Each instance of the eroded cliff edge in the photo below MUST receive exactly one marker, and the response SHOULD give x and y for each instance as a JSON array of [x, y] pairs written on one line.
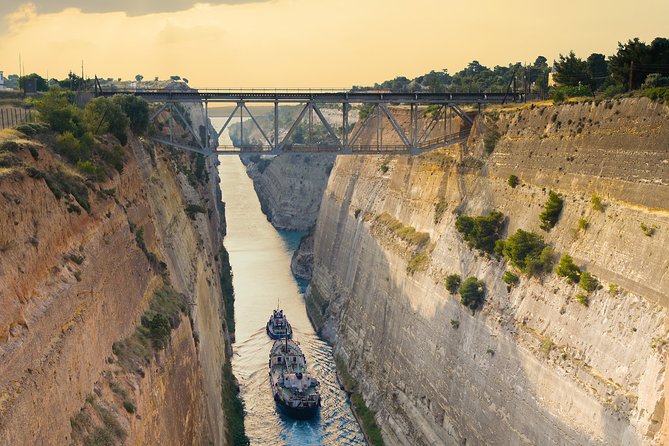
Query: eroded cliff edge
[[79, 281], [534, 366]]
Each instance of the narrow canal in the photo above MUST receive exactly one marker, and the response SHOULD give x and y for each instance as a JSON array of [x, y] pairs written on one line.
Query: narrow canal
[[260, 257]]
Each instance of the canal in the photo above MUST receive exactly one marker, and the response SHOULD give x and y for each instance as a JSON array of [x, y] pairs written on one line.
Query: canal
[[260, 258]]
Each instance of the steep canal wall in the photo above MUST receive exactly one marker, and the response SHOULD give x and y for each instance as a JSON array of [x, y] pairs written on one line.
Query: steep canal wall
[[533, 365], [112, 323]]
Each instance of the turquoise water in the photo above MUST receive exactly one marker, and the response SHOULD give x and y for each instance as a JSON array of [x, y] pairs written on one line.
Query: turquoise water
[[260, 257]]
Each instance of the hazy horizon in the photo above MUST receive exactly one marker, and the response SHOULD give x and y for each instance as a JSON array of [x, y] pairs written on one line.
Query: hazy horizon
[[307, 43]]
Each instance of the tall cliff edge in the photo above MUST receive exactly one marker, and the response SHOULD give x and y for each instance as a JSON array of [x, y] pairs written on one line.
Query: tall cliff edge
[[533, 365]]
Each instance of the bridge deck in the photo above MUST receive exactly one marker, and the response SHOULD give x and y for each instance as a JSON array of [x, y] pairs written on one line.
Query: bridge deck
[[318, 96]]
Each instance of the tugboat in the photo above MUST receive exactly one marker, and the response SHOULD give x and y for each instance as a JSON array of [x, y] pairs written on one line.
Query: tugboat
[[293, 388], [278, 326]]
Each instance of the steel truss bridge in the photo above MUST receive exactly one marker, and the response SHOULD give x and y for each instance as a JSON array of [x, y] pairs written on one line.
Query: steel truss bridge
[[429, 123]]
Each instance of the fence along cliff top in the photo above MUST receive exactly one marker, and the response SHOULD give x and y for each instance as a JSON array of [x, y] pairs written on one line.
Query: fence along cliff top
[[429, 113]]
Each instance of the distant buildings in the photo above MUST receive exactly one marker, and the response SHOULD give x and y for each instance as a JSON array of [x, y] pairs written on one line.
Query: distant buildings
[[2, 79]]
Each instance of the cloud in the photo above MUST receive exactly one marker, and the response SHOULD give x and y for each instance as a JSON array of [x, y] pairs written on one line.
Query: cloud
[[130, 7]]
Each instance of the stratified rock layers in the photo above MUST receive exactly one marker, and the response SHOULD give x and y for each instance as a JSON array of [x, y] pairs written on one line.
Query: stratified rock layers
[[534, 366]]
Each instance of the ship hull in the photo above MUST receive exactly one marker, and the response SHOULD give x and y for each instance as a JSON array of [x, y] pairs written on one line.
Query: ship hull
[[278, 335], [302, 413]]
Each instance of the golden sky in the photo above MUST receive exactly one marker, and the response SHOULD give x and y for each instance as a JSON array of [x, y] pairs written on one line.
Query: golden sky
[[309, 43]]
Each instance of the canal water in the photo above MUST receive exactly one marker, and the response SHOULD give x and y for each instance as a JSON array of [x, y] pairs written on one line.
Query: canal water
[[260, 258]]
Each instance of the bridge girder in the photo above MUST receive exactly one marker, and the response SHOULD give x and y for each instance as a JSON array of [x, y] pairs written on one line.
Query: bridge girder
[[414, 140]]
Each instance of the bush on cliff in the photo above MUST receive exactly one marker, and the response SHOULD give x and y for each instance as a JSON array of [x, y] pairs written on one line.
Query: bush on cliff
[[552, 211], [103, 115], [481, 232], [472, 292], [567, 269], [453, 283], [528, 252]]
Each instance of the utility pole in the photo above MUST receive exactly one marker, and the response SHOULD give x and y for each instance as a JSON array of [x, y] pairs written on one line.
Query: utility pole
[[629, 86]]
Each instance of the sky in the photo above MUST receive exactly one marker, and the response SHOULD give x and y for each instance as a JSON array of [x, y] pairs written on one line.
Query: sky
[[308, 43]]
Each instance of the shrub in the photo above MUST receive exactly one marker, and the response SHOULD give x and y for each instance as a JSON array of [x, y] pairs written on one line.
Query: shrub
[[453, 283], [91, 170], [455, 324], [384, 167], [56, 109], [583, 224], [137, 111], [588, 282], [472, 292], [439, 209], [528, 252], [115, 157], [129, 406], [61, 183], [597, 203], [367, 420], [552, 210], [418, 262], [513, 181], [68, 146], [481, 232], [647, 231], [546, 345], [510, 278], [582, 299], [614, 289], [103, 115], [568, 269], [490, 138], [193, 209]]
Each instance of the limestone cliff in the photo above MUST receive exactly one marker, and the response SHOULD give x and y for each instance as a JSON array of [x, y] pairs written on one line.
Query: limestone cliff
[[81, 266], [533, 366], [290, 187]]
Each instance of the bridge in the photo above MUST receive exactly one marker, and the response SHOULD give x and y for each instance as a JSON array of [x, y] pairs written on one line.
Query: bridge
[[367, 121]]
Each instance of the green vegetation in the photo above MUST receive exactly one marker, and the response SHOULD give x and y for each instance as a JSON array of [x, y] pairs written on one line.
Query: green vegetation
[[406, 233], [76, 259], [193, 209], [597, 203], [439, 209], [588, 282], [418, 262], [566, 268], [481, 232], [384, 167], [658, 94], [227, 289], [614, 289], [528, 252], [63, 184], [552, 211], [455, 324], [647, 231], [472, 292], [364, 414], [546, 345], [582, 299], [233, 407], [453, 282], [152, 335], [583, 224], [510, 278], [513, 181], [129, 406], [490, 137]]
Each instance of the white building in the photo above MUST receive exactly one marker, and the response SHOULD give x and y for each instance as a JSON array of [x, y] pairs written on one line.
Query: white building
[[2, 79]]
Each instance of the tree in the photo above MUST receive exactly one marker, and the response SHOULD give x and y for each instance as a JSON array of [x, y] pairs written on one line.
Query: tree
[[103, 115], [139, 78], [571, 70], [568, 269], [35, 79], [598, 70], [627, 63], [137, 111], [56, 109], [175, 78], [472, 292]]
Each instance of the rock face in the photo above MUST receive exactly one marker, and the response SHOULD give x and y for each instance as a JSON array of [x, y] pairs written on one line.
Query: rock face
[[533, 366], [302, 262], [290, 187], [72, 283]]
